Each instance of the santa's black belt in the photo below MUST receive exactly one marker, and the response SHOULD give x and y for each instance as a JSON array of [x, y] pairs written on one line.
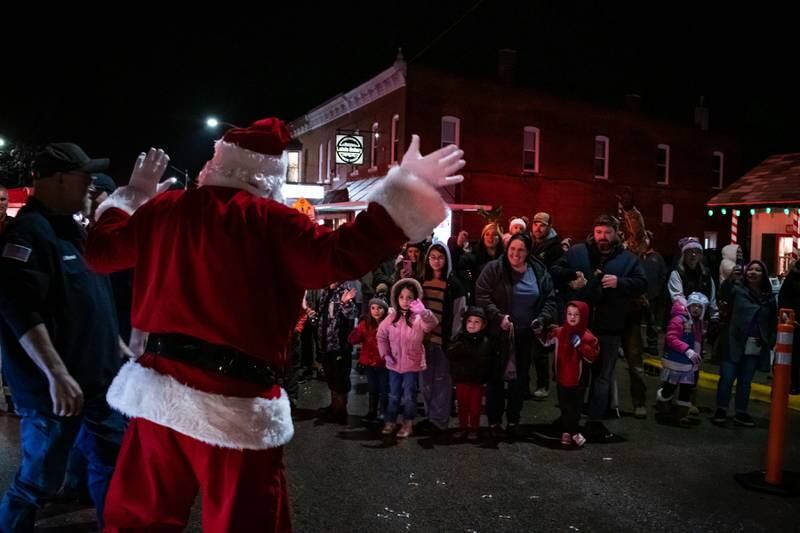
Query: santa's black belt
[[222, 360]]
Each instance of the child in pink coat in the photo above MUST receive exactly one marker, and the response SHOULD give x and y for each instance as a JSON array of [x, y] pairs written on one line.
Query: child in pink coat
[[400, 338]]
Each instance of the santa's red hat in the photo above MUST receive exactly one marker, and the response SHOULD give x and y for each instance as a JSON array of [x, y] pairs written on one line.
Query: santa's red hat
[[251, 158]]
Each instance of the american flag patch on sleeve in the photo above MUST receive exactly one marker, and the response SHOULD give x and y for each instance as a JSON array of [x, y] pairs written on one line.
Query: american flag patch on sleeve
[[17, 251]]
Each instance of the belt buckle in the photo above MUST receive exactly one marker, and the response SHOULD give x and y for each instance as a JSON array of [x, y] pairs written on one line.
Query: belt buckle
[[225, 364]]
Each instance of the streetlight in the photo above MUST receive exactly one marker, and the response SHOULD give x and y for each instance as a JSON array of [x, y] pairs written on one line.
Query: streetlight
[[2, 142], [213, 123]]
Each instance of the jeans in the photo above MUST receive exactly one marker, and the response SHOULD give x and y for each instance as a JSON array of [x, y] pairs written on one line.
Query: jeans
[[541, 361], [742, 371], [436, 386], [632, 347], [378, 383], [495, 401], [570, 401], [603, 376], [46, 442], [523, 347], [402, 387]]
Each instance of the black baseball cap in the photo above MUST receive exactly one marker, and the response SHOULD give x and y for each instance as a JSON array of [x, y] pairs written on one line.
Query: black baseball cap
[[66, 157], [103, 183]]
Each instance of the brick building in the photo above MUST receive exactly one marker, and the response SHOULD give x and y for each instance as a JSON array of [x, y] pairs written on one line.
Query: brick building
[[526, 151]]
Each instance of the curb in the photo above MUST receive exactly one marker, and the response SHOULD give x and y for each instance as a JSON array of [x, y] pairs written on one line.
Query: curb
[[708, 380]]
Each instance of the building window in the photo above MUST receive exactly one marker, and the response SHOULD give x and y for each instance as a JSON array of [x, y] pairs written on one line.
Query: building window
[[321, 158], [601, 143], [710, 240], [395, 139], [293, 170], [373, 153], [717, 169], [662, 164], [451, 130], [328, 166], [530, 149]]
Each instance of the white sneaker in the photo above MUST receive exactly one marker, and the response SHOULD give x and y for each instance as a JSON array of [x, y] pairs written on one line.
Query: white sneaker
[[541, 394]]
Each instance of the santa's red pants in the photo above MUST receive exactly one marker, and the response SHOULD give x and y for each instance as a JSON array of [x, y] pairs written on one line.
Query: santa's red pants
[[159, 472], [468, 396]]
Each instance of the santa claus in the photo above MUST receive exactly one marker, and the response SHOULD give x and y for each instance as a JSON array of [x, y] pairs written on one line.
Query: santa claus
[[220, 273]]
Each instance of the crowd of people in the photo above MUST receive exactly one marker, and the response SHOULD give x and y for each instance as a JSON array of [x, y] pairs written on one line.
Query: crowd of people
[[139, 311], [498, 319]]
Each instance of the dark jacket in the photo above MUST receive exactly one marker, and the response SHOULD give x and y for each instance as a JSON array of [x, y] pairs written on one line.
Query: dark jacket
[[45, 280], [789, 298], [745, 307], [549, 252], [494, 290], [470, 266], [608, 306], [472, 357], [655, 269]]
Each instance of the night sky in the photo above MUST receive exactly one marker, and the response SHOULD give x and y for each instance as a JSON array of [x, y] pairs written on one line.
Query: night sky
[[118, 80]]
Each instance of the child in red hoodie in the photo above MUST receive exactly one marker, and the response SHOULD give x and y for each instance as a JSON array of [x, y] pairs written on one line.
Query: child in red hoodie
[[366, 334], [574, 345]]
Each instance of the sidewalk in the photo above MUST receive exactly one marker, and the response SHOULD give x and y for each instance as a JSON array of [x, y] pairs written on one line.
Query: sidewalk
[[760, 391]]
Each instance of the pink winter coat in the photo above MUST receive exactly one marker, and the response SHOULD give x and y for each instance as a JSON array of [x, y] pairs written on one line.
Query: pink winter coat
[[400, 345]]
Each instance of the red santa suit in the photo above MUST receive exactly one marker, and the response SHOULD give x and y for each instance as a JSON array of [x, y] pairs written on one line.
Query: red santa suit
[[229, 267]]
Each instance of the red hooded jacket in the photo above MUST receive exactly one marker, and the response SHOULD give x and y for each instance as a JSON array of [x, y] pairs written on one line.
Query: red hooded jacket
[[368, 338], [569, 360]]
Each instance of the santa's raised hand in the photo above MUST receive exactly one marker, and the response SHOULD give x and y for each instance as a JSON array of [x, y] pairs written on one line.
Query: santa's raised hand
[[147, 172], [437, 168], [143, 185]]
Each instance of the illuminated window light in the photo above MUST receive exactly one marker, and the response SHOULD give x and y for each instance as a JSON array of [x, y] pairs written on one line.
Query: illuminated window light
[[711, 212], [768, 210], [737, 212], [724, 211], [752, 212], [786, 211]]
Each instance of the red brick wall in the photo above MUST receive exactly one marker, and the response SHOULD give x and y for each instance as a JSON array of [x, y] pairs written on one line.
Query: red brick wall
[[492, 120]]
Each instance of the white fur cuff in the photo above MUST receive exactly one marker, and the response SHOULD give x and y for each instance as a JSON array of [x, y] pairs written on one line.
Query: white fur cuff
[[126, 198], [415, 206], [225, 421]]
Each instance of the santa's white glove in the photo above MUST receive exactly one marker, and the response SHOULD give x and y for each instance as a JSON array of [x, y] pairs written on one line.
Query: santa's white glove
[[147, 172], [437, 168]]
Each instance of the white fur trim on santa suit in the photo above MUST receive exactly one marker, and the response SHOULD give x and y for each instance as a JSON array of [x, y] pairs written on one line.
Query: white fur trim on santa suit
[[225, 421], [415, 206], [126, 198], [240, 168]]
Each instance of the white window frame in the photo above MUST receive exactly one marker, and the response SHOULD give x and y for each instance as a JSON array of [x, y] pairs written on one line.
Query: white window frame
[[537, 135], [710, 239], [395, 140], [721, 178], [298, 177], [373, 148], [447, 119], [328, 161], [607, 143], [320, 177], [664, 147]]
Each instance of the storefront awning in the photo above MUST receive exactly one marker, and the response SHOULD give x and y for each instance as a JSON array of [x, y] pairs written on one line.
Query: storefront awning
[[359, 190], [774, 182], [349, 207]]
